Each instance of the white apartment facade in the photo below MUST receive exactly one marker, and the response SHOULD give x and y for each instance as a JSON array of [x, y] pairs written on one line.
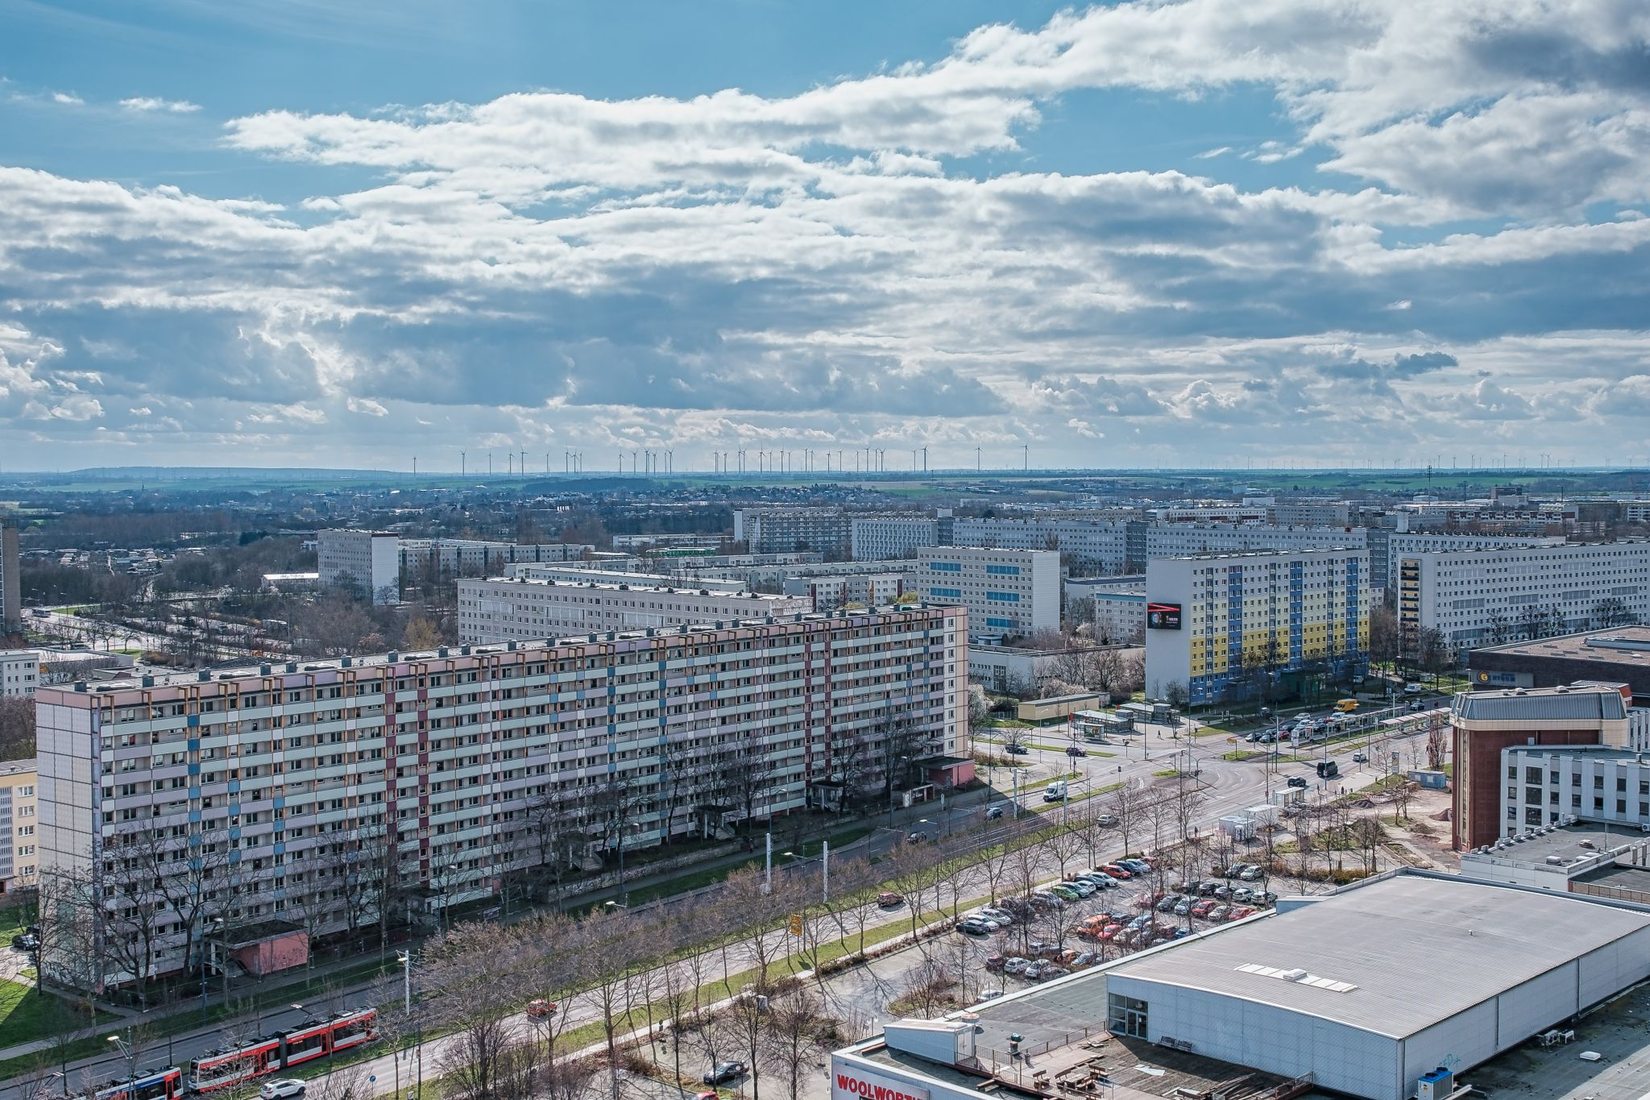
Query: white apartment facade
[[571, 574], [268, 787], [826, 531], [1006, 592], [19, 851], [1090, 545], [479, 557], [1221, 626], [19, 672], [500, 609], [367, 561], [1472, 596], [890, 537], [832, 593], [1176, 540], [1387, 548]]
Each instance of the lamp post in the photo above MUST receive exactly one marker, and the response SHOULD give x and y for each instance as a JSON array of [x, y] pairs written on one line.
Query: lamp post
[[63, 1077], [223, 959], [126, 1050], [405, 959]]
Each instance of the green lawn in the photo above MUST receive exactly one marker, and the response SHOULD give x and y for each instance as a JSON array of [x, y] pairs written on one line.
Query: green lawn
[[26, 1016]]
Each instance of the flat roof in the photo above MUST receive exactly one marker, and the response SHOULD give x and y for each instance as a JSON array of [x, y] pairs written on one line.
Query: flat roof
[[1618, 877], [1384, 941], [1617, 645], [1577, 841]]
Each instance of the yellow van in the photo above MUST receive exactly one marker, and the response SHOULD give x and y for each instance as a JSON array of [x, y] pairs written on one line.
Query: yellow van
[[1347, 706]]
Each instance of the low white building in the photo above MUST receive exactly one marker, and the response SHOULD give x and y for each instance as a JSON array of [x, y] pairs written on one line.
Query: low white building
[[1007, 592], [1394, 986], [504, 608], [19, 672]]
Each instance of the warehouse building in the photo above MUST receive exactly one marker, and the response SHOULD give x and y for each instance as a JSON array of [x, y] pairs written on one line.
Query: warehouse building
[[1395, 986], [1617, 653]]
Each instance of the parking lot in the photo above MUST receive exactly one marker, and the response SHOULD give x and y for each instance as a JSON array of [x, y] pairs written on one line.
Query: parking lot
[[1025, 940]]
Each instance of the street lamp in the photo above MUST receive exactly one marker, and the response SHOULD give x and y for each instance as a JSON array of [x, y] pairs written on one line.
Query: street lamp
[[405, 959], [131, 1059]]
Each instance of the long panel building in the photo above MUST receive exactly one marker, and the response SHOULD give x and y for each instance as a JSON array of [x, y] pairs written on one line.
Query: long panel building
[[1473, 597], [1220, 626], [1006, 592], [277, 789], [499, 609]]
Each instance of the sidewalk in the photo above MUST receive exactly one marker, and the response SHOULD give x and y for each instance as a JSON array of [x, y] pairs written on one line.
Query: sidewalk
[[273, 993]]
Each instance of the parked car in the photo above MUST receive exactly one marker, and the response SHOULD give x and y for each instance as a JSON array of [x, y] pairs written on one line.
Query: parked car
[[1046, 899], [285, 1089], [1066, 890], [1085, 958], [1015, 965], [990, 994], [1117, 872], [1106, 819], [540, 1009], [25, 942], [1083, 887], [992, 813], [1253, 873], [1109, 933], [1138, 866], [1034, 970], [1240, 912], [1242, 894], [1220, 912], [1201, 909], [1052, 970], [1001, 916], [973, 926], [1168, 903], [994, 963], [723, 1072], [1183, 907]]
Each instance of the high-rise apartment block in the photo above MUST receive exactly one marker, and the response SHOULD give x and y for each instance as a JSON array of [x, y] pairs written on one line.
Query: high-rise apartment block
[[1487, 596], [1088, 545], [502, 608], [1007, 592], [11, 593], [890, 537], [367, 561], [1225, 627], [827, 531], [314, 792]]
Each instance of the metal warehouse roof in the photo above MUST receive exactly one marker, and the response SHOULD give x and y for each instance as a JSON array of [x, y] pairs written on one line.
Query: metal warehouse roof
[[1525, 704], [1413, 949]]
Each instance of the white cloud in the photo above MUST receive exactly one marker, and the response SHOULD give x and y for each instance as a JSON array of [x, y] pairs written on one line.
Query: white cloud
[[154, 103], [68, 100]]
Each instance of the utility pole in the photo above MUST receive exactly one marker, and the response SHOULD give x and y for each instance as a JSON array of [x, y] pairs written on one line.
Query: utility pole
[[463, 466]]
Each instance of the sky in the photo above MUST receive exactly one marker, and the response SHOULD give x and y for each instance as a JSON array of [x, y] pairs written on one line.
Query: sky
[[1194, 233]]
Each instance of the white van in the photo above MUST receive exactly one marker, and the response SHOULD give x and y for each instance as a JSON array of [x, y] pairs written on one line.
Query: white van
[[1055, 792]]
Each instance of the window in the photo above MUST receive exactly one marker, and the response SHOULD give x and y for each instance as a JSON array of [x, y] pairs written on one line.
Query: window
[[1126, 1015]]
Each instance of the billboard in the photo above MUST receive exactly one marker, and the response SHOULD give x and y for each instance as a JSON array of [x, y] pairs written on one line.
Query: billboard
[[1162, 616]]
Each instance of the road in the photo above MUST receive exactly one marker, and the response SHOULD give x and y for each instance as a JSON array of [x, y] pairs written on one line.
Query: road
[[1225, 786]]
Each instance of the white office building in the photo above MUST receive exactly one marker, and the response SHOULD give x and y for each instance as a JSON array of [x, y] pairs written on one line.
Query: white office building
[[271, 788], [1479, 597], [1007, 592], [504, 608], [367, 561], [19, 672], [1228, 627], [1552, 784]]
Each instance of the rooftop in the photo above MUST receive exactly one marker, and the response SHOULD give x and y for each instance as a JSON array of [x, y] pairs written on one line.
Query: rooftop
[[1581, 702], [1618, 645], [642, 586], [1353, 956], [1571, 843]]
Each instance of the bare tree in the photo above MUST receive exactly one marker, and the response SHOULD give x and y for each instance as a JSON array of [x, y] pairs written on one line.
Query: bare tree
[[799, 1032]]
